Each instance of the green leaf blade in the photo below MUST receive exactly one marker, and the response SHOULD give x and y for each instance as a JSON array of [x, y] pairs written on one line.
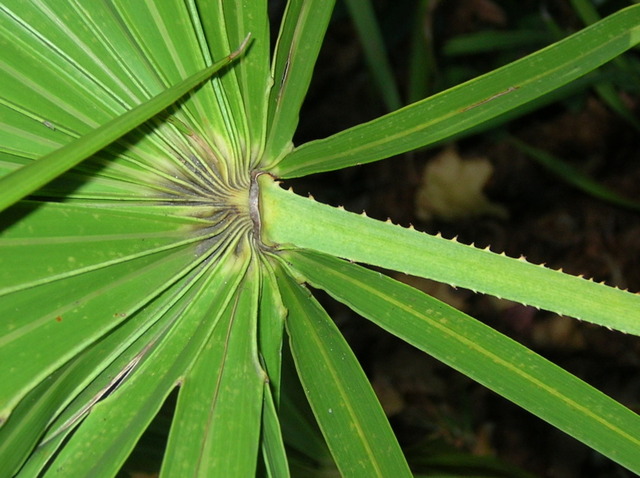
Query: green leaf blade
[[348, 412], [37, 233], [470, 104], [29, 178], [107, 435], [216, 427], [70, 314], [271, 328], [273, 451], [297, 48], [483, 354], [236, 19], [87, 379], [372, 41]]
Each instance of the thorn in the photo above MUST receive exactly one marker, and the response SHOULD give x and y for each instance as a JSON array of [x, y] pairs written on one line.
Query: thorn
[[311, 197], [411, 227], [439, 234], [388, 221], [455, 239], [341, 208]]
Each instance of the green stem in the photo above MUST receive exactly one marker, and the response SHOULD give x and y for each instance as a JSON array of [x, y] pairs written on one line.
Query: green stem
[[291, 221]]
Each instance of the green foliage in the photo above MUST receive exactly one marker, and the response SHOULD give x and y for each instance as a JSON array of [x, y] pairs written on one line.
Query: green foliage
[[144, 247]]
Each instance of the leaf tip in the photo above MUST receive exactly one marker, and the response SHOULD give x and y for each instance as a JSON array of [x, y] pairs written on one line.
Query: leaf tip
[[241, 48]]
